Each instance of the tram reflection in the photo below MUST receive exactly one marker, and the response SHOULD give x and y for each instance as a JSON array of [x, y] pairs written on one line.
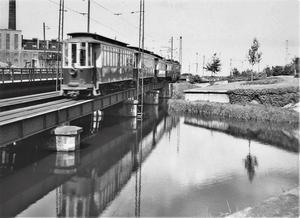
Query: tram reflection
[[87, 180]]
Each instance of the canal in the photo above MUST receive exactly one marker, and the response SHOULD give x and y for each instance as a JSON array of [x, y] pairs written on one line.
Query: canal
[[165, 165]]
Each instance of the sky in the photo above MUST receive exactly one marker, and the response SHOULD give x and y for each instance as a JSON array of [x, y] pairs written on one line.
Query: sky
[[207, 27]]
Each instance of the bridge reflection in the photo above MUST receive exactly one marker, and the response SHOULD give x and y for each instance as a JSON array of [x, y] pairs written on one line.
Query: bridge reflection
[[86, 181]]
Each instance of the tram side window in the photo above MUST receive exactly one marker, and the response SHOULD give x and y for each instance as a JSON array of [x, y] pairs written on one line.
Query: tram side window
[[73, 50], [82, 54], [66, 53], [90, 55]]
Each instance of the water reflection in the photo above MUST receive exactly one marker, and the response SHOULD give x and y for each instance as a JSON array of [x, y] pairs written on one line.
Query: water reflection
[[168, 166], [82, 183], [250, 164], [284, 136]]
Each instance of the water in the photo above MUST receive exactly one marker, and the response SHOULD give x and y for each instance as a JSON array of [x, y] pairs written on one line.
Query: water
[[173, 166]]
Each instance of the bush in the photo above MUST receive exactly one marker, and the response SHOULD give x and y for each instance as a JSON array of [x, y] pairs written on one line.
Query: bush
[[278, 97], [280, 70]]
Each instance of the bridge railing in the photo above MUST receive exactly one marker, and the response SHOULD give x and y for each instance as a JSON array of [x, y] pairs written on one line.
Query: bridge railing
[[12, 75]]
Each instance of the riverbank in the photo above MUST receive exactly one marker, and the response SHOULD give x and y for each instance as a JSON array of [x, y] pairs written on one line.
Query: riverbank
[[286, 205], [243, 106]]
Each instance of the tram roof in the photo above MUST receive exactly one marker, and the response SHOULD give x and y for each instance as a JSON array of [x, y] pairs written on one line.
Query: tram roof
[[93, 38], [143, 50]]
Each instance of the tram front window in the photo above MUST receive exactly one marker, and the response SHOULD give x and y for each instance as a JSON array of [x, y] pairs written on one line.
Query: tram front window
[[73, 50], [82, 54]]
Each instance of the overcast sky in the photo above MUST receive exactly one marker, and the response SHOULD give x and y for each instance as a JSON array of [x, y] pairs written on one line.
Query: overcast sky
[[225, 27]]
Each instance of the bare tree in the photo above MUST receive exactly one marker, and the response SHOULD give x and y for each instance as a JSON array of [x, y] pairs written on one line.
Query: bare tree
[[254, 56]]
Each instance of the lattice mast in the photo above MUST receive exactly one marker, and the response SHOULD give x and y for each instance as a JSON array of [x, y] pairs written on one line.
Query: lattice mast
[[59, 40], [140, 79]]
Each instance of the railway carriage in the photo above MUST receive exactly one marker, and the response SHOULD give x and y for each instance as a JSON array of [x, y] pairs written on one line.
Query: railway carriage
[[149, 64], [160, 68], [94, 65], [172, 70]]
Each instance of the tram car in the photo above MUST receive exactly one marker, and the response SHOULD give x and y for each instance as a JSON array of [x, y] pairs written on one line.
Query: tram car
[[148, 73], [160, 68], [173, 70], [95, 65], [167, 70]]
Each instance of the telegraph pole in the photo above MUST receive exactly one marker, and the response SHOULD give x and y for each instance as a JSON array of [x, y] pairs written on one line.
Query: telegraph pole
[[172, 48], [89, 6], [59, 39], [197, 63], [140, 96], [44, 45], [287, 52], [203, 65], [180, 53]]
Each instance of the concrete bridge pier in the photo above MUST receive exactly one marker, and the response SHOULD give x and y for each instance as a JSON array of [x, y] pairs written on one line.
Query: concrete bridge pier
[[151, 97], [126, 109], [166, 91], [66, 138]]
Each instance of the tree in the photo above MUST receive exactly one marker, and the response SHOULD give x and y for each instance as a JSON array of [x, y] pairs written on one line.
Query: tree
[[296, 64], [254, 56], [235, 72], [214, 66]]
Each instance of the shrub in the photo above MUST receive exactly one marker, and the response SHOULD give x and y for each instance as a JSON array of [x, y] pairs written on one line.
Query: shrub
[[275, 97]]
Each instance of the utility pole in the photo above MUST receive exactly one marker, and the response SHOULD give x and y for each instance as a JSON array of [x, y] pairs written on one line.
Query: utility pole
[[203, 65], [59, 39], [172, 48], [88, 25], [287, 51], [44, 45], [230, 67], [180, 53], [140, 96], [196, 63]]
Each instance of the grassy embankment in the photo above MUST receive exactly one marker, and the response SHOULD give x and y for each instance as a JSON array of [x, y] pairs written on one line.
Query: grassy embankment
[[269, 96]]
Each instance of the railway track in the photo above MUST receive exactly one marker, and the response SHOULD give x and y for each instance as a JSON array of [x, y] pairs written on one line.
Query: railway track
[[25, 112], [29, 100]]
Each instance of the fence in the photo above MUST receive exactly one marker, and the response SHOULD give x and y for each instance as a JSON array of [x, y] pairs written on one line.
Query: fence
[[13, 75]]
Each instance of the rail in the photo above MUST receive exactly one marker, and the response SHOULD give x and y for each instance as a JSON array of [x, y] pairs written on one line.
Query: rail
[[14, 75]]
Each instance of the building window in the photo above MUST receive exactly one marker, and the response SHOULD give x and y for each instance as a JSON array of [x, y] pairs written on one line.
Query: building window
[[7, 41], [16, 42]]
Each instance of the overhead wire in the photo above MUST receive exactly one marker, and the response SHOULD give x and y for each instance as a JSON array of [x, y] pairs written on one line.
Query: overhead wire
[[84, 14], [98, 22], [118, 14]]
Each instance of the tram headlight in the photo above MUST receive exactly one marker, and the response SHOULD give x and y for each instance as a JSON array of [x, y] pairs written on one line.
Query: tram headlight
[[81, 81], [73, 72]]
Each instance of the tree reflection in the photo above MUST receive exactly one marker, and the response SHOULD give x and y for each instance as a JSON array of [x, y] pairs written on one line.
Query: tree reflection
[[250, 163]]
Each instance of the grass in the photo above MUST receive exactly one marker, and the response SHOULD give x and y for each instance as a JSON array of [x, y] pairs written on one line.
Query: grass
[[243, 112], [281, 81]]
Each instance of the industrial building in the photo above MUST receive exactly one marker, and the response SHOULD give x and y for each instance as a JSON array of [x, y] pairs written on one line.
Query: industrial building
[[18, 52]]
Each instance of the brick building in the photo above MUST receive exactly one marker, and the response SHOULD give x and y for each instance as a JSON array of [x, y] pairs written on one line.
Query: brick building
[[19, 52]]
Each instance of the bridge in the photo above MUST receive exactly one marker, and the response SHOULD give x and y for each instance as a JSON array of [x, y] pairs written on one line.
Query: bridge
[[16, 82], [93, 168], [20, 123]]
